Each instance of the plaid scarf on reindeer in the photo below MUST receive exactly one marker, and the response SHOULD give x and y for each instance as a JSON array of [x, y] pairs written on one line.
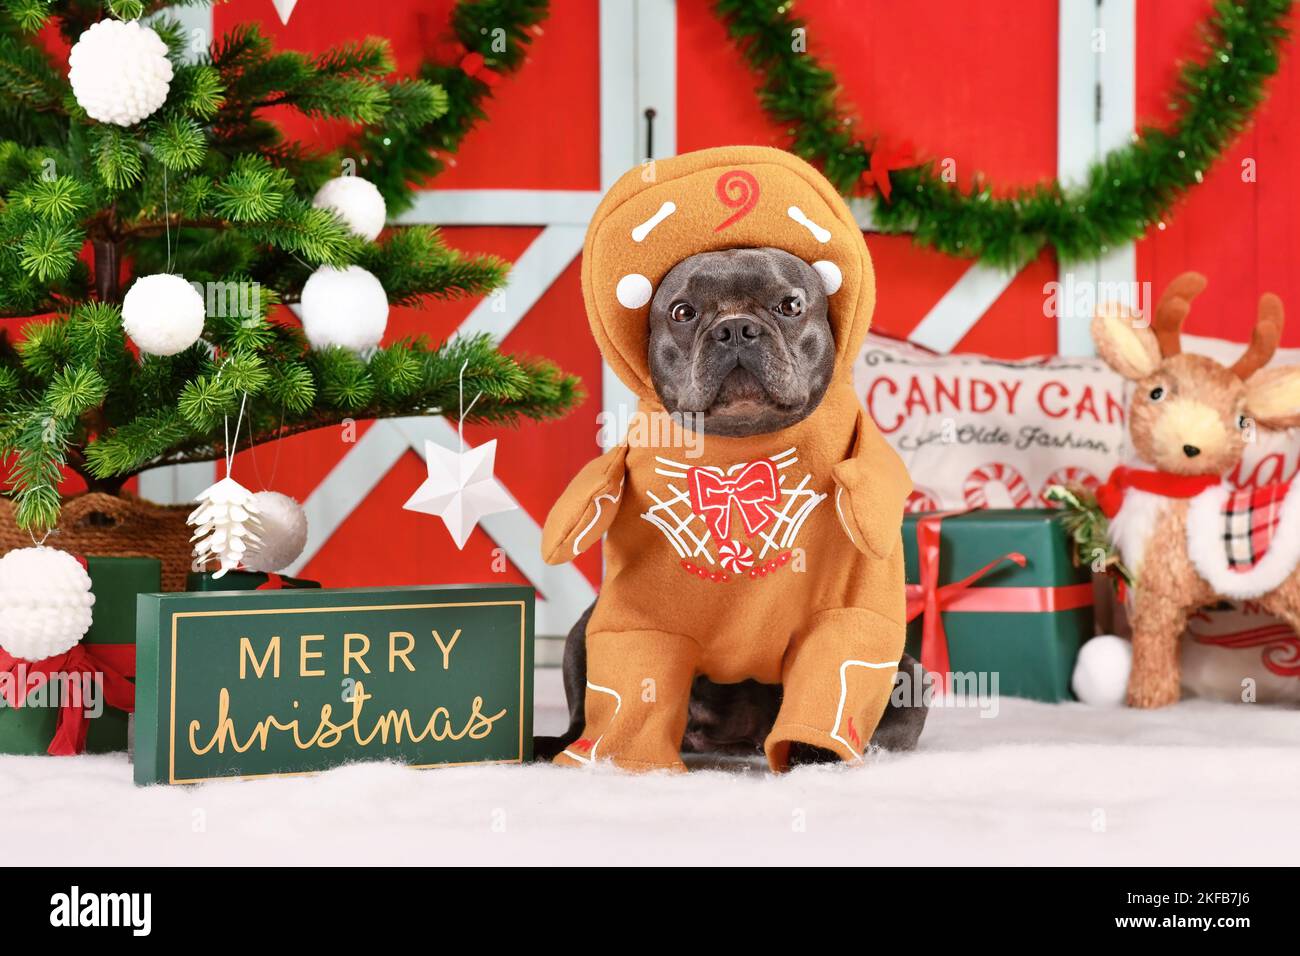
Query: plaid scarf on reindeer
[[1250, 520]]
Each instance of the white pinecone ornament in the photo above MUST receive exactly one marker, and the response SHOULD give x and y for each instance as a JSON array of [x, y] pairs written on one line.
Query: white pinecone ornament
[[119, 72], [226, 525], [357, 202], [283, 532], [45, 602]]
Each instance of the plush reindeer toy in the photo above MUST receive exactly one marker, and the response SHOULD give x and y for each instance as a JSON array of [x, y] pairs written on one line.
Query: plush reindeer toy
[[1189, 539]]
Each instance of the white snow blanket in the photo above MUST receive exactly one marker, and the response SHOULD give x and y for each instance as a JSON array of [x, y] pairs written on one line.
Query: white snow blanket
[[1198, 783]]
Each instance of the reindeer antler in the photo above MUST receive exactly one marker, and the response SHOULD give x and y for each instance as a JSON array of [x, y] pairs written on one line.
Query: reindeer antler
[[1174, 304], [1264, 339]]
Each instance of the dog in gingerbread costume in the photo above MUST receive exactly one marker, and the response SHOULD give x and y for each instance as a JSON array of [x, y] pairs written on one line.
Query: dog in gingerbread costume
[[753, 534]]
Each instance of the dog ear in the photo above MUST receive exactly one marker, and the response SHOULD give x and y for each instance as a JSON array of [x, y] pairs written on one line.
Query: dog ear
[[1273, 396], [1124, 342]]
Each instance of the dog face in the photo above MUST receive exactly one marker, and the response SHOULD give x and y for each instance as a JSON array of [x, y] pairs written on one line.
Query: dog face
[[740, 341]]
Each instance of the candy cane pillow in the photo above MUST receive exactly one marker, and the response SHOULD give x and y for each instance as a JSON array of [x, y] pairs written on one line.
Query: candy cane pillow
[[978, 432]]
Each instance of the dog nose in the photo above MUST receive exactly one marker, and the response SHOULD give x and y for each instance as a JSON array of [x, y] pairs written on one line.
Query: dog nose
[[738, 330], [1191, 451]]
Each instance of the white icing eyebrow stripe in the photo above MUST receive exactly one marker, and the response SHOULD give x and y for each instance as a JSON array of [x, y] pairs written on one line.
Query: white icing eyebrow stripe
[[820, 234], [643, 230]]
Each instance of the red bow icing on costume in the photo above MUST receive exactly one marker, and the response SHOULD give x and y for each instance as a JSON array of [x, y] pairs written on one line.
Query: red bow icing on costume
[[1110, 496], [107, 664], [754, 490]]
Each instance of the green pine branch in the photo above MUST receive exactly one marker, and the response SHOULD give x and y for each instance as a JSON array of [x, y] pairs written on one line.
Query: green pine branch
[[209, 188]]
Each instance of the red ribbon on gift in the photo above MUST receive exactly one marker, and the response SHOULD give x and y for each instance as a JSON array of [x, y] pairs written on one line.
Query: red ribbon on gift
[[754, 490], [931, 598], [109, 665]]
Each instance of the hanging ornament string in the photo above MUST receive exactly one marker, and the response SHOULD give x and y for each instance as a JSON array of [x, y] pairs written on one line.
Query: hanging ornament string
[[230, 448], [167, 221], [275, 461], [460, 421], [1124, 194]]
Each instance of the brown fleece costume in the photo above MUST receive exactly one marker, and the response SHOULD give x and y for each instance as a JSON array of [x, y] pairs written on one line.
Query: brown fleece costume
[[773, 557]]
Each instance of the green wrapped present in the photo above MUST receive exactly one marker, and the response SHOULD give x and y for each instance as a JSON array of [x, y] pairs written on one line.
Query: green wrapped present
[[108, 650], [994, 595], [243, 581]]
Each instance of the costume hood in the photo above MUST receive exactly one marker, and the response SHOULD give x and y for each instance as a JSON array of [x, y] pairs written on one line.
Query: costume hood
[[732, 197]]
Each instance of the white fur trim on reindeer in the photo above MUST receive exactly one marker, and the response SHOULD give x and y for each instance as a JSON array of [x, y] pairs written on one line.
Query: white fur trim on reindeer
[[1133, 526], [1205, 545]]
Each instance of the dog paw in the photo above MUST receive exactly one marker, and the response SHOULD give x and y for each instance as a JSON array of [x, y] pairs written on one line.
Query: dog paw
[[802, 754]]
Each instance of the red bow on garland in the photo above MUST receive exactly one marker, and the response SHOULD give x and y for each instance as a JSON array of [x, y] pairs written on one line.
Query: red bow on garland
[[882, 161], [1110, 496], [754, 490], [471, 62], [108, 665]]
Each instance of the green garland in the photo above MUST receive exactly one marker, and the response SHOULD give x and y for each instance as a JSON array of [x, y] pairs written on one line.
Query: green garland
[[1124, 194], [401, 157], [1087, 526]]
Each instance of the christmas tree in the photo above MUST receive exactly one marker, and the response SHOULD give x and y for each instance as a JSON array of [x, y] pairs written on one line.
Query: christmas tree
[[153, 217]]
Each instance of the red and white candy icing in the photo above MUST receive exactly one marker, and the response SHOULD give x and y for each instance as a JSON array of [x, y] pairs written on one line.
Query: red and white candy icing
[[735, 556]]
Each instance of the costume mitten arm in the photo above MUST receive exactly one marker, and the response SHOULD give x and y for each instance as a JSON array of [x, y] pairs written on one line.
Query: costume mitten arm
[[870, 490], [586, 509]]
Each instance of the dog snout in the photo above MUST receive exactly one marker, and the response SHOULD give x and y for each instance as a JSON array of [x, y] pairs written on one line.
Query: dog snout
[[736, 330], [1191, 451]]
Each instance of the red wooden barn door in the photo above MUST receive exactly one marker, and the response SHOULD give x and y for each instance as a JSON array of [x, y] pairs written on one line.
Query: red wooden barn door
[[1003, 88]]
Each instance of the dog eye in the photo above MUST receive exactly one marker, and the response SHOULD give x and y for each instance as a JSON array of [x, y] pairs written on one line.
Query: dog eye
[[1242, 422], [682, 312], [1157, 393], [791, 306]]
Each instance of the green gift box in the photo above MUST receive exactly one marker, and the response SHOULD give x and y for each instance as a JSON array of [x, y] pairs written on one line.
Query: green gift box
[[240, 581], [996, 592], [115, 582]]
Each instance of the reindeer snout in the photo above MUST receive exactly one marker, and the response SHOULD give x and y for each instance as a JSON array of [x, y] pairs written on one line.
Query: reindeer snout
[[1189, 437]]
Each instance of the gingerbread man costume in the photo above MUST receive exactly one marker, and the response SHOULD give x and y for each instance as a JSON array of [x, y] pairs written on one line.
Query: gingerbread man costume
[[774, 557]]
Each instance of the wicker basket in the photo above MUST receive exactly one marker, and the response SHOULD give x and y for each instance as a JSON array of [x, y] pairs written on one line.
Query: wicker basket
[[116, 527]]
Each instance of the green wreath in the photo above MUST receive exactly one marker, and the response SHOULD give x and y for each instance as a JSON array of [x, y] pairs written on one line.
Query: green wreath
[[497, 34], [1124, 194]]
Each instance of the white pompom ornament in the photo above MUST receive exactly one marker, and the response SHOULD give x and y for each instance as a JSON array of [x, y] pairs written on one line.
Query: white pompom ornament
[[119, 72], [357, 201], [283, 533], [226, 525], [163, 314], [1101, 671], [45, 602], [346, 307]]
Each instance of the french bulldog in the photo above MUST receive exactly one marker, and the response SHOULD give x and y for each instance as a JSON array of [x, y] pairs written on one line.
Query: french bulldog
[[739, 345]]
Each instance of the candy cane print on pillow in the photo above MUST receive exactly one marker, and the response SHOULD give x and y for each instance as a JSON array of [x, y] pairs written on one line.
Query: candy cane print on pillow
[[975, 489]]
